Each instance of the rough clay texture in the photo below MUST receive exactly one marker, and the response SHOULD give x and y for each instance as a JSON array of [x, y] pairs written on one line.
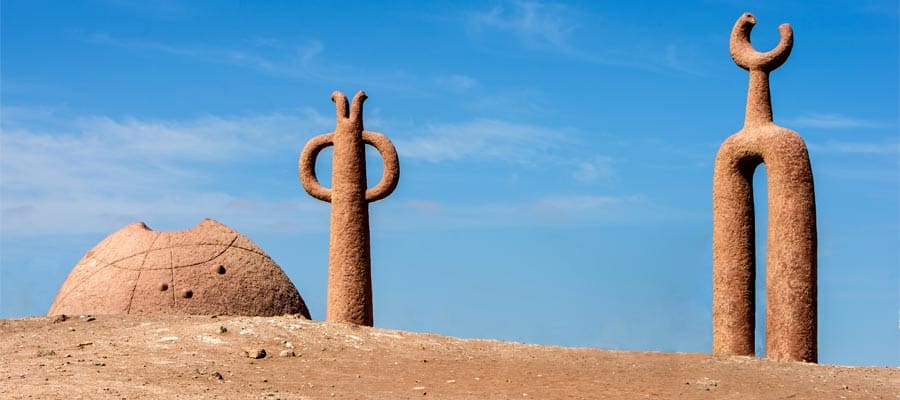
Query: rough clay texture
[[198, 357], [349, 262], [791, 238], [210, 269]]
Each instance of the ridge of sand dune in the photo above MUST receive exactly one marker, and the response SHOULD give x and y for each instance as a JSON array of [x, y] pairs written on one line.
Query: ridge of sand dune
[[151, 357]]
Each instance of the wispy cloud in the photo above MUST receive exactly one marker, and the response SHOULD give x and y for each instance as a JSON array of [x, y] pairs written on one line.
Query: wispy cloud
[[831, 121], [457, 83], [492, 140], [600, 167], [67, 174], [304, 61], [558, 28], [888, 147], [535, 24], [294, 61], [557, 210], [484, 139]]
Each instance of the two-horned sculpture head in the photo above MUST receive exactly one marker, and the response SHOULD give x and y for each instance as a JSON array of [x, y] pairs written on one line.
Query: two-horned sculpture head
[[349, 115], [349, 169]]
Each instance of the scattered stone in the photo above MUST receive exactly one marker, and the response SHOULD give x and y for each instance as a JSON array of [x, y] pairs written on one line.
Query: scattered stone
[[217, 375], [90, 318], [286, 353], [45, 353], [60, 318], [222, 329], [256, 354], [289, 345]]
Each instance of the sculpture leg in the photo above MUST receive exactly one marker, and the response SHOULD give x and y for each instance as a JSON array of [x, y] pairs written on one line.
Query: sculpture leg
[[791, 320], [349, 263], [734, 256]]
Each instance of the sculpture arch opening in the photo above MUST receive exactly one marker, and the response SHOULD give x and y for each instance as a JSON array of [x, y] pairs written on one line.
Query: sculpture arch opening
[[790, 263]]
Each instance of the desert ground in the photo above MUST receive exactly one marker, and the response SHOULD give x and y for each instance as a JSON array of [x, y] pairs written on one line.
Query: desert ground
[[288, 357]]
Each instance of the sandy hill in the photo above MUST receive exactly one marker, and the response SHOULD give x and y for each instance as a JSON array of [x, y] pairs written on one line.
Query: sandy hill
[[170, 357]]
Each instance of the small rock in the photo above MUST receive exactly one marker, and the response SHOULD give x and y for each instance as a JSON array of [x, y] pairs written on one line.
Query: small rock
[[286, 353], [222, 329], [90, 318], [217, 375], [451, 381], [289, 345], [419, 388], [45, 353], [60, 318], [257, 354]]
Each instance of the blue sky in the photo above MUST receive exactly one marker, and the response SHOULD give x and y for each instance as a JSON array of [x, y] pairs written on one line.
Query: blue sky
[[556, 158]]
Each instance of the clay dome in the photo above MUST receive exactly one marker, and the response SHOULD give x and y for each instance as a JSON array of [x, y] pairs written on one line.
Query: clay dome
[[209, 269]]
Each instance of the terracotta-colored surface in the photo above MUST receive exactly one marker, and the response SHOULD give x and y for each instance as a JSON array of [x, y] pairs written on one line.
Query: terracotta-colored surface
[[791, 237], [349, 262], [210, 269], [189, 357]]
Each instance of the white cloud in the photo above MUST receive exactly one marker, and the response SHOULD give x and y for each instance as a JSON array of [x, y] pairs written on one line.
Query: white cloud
[[591, 170], [557, 210], [836, 146], [66, 173], [536, 24], [457, 83], [484, 139], [295, 61], [303, 61], [547, 26], [76, 174], [831, 121]]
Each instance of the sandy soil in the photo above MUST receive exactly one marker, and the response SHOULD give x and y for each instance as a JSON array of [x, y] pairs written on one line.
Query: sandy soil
[[170, 357]]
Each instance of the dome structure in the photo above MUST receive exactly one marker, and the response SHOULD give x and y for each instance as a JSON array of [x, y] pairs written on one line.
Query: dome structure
[[209, 269]]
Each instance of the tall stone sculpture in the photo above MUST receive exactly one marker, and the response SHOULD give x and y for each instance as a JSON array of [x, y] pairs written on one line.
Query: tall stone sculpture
[[791, 238], [349, 262]]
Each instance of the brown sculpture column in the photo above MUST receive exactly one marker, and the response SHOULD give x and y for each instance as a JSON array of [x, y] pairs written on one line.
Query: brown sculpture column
[[349, 263], [791, 239]]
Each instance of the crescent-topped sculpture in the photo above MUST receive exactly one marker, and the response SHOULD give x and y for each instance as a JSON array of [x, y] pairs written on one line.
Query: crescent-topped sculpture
[[349, 260], [791, 325]]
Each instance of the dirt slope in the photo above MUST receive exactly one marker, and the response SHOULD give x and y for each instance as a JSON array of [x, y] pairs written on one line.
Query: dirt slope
[[169, 357]]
